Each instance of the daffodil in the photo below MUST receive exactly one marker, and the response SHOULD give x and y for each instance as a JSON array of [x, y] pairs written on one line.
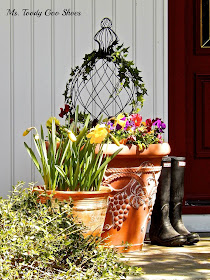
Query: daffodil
[[97, 134], [71, 136], [49, 122], [26, 132]]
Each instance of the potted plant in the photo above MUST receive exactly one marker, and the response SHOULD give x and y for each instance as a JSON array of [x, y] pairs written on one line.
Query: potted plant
[[133, 178], [38, 243], [104, 77], [133, 174], [71, 168]]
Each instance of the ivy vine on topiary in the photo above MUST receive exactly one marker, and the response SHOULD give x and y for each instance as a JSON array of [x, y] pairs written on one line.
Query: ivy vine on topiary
[[126, 72]]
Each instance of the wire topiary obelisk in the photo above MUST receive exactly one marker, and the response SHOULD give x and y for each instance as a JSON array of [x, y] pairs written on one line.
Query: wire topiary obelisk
[[106, 83]]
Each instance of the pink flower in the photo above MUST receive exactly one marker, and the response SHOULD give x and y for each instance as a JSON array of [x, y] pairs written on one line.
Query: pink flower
[[160, 140]]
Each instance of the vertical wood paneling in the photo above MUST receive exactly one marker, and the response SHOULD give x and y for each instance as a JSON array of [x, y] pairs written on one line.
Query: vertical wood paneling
[[158, 89], [42, 68], [12, 165], [63, 53], [145, 50], [165, 66], [83, 29], [22, 92], [102, 10], [37, 55], [42, 63], [134, 30], [124, 23], [154, 57], [73, 35], [100, 14], [53, 18], [32, 82], [5, 94]]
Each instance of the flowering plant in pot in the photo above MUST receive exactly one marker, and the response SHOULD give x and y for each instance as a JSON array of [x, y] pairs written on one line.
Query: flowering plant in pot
[[132, 176], [104, 77], [71, 168], [131, 130]]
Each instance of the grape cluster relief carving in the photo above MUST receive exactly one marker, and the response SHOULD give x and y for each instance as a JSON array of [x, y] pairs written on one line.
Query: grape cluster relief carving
[[139, 192]]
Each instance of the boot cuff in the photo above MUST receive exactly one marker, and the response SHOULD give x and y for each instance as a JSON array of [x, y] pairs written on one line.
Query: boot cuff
[[178, 158], [166, 159]]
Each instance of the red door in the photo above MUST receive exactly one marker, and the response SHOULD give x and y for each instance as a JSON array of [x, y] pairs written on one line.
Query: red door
[[189, 97]]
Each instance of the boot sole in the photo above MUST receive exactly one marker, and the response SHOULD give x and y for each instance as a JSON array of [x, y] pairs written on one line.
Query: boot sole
[[192, 240], [176, 241]]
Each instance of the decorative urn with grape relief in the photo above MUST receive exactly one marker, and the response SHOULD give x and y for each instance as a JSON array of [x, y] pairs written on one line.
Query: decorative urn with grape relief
[[108, 85], [133, 179]]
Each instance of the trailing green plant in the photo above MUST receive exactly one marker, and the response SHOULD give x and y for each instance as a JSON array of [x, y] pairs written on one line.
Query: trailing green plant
[[126, 72], [42, 242], [68, 160]]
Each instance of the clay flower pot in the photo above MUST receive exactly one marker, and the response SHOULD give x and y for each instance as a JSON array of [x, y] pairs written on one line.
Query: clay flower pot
[[133, 178], [89, 207]]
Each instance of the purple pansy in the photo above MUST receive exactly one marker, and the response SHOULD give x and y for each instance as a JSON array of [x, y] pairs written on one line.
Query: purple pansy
[[161, 125], [118, 126], [110, 125], [127, 125]]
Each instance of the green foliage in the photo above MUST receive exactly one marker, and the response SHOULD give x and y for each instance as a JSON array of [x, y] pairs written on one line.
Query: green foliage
[[130, 129], [142, 140], [126, 71], [69, 165], [48, 157], [41, 242]]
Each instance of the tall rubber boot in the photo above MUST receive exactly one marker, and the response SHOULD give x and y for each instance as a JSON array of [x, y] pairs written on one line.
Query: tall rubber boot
[[176, 199], [161, 231]]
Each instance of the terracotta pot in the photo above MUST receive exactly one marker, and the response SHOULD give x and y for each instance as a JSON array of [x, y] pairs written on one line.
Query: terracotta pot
[[133, 178], [89, 207], [131, 156]]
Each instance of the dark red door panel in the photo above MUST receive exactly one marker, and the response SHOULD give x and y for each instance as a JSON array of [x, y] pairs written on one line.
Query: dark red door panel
[[189, 97]]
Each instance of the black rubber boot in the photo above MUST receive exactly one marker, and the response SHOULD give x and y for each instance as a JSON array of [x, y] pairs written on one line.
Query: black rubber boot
[[161, 231], [176, 199]]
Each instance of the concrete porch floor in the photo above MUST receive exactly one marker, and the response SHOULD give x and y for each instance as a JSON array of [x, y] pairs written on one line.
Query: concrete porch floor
[[173, 263]]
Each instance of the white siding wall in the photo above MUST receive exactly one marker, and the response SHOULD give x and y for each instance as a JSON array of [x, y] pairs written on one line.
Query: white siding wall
[[37, 53]]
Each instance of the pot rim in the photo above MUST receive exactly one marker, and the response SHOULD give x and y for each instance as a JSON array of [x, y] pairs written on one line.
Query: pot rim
[[154, 150], [104, 191]]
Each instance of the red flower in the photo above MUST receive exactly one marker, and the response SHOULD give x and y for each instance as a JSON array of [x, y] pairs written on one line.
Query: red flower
[[131, 138], [64, 111], [149, 125], [137, 119], [61, 113], [149, 122]]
